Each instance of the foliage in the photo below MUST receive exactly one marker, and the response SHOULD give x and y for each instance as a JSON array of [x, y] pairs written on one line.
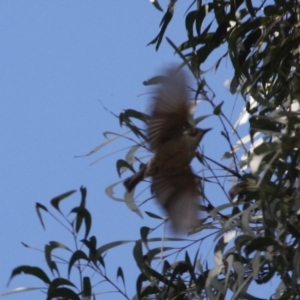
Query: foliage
[[256, 228], [262, 43], [87, 258]]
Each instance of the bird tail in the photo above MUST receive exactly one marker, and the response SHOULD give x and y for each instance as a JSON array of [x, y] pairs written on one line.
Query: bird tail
[[179, 195], [183, 213]]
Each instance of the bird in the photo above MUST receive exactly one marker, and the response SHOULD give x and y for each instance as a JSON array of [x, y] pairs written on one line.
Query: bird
[[174, 141]]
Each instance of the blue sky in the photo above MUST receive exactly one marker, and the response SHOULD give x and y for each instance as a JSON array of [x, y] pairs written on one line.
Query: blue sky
[[59, 60]]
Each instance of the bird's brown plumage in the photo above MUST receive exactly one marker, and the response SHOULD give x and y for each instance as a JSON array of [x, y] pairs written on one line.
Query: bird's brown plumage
[[174, 141]]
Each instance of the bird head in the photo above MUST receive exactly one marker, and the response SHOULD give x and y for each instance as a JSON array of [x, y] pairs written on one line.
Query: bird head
[[196, 134]]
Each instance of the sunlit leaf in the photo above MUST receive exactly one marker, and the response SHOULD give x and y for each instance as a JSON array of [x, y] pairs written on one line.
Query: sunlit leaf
[[129, 200]]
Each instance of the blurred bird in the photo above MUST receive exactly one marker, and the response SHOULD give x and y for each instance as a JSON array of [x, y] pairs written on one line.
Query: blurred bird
[[173, 141]]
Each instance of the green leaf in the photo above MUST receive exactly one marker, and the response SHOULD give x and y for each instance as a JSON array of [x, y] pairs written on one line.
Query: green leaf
[[218, 109], [154, 80], [155, 251], [138, 255], [203, 12], [250, 8], [56, 200], [164, 24], [152, 215], [178, 51], [139, 282], [123, 164], [280, 2], [48, 251], [261, 243], [77, 255], [82, 214], [189, 24], [190, 267], [121, 274], [39, 207], [60, 281], [234, 84], [83, 192], [201, 118], [111, 245], [87, 288], [241, 241], [91, 243], [271, 10], [131, 113], [62, 293], [151, 273], [144, 231], [148, 291], [35, 271]]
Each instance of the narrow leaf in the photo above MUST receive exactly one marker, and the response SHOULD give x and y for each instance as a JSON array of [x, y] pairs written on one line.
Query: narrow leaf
[[56, 200], [121, 274], [39, 207], [35, 271]]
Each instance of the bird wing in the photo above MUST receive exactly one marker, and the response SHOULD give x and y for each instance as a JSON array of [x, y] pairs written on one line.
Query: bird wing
[[179, 194], [170, 108]]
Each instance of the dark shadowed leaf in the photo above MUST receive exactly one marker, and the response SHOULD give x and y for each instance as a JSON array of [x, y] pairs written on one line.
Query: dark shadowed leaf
[[144, 231], [121, 274], [164, 24], [35, 271], [48, 253], [156, 5], [261, 244], [39, 207], [56, 200], [76, 256], [60, 281], [87, 288], [82, 214], [152, 215], [218, 108], [138, 255], [62, 293], [123, 164]]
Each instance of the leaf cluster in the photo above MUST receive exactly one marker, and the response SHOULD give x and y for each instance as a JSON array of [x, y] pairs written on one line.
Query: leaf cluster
[[82, 260], [256, 228], [262, 43]]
